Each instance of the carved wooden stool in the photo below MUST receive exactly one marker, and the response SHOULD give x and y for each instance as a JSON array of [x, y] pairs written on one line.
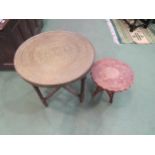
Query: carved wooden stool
[[55, 59], [112, 76]]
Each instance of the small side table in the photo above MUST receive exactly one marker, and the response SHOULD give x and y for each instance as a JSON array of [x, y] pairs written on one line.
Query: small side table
[[112, 76]]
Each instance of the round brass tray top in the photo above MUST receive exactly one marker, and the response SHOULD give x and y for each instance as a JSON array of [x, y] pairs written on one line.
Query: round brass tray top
[[112, 74], [54, 58]]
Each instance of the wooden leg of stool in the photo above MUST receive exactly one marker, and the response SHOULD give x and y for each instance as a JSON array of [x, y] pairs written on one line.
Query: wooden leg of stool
[[98, 89], [40, 95], [82, 91], [111, 95]]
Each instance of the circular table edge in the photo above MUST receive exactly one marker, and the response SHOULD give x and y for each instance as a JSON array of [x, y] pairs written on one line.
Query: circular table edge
[[46, 85]]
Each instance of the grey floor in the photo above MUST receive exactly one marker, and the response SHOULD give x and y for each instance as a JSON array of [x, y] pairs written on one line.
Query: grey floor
[[132, 112]]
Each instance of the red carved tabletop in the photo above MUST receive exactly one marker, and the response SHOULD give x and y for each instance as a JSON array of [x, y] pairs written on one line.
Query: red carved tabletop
[[112, 75]]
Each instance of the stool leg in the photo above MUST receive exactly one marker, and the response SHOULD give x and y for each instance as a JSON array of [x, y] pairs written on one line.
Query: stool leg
[[40, 95], [111, 95], [98, 89], [82, 91]]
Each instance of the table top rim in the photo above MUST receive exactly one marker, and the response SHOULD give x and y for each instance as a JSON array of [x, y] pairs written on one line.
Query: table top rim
[[118, 60], [63, 83]]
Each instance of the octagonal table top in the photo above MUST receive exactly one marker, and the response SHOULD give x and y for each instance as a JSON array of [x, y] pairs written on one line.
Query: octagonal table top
[[112, 75], [54, 58]]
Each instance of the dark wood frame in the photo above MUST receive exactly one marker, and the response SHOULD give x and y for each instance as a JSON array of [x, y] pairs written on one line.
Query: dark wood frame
[[56, 88], [110, 93]]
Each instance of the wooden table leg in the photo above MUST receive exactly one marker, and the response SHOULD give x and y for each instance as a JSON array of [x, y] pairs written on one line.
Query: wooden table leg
[[45, 98], [98, 89], [52, 92], [69, 89], [111, 95], [41, 96], [82, 91]]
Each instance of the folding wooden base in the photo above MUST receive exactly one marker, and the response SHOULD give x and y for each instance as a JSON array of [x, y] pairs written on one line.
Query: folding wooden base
[[110, 93], [56, 88]]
